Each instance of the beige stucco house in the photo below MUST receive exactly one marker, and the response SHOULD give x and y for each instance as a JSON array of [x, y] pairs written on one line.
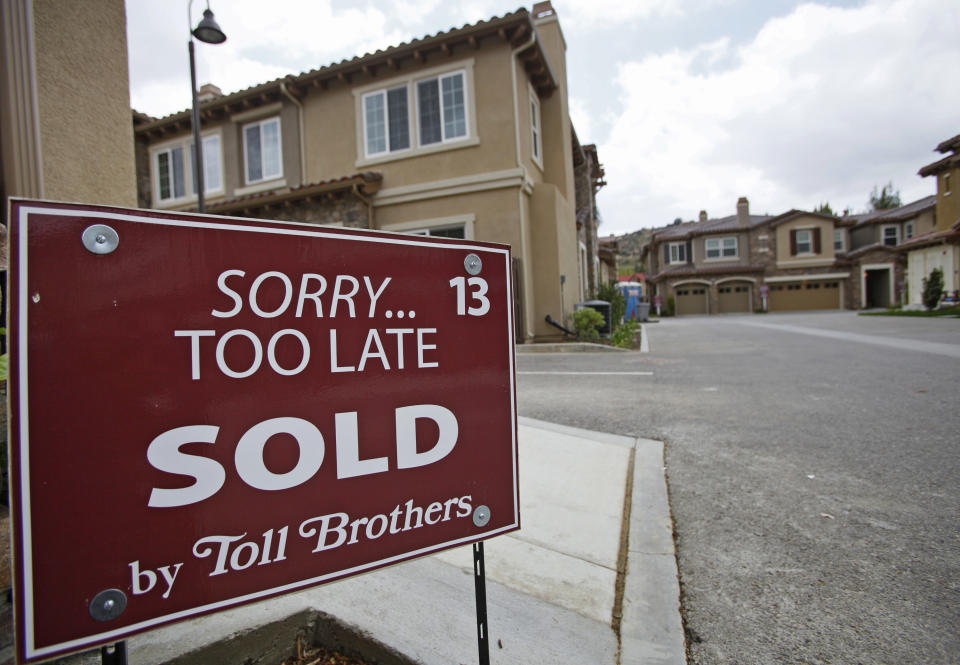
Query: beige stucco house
[[938, 247], [798, 260], [62, 138], [465, 134]]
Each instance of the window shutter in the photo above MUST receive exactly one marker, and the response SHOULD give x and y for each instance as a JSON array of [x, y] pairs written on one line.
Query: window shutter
[[816, 241], [689, 251], [666, 253], [793, 243]]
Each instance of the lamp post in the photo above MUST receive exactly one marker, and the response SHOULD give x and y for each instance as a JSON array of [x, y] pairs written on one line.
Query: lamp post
[[209, 32]]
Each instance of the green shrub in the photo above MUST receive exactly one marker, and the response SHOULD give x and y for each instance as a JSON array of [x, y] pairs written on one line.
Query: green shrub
[[671, 306], [625, 334], [933, 289], [587, 323], [618, 304]]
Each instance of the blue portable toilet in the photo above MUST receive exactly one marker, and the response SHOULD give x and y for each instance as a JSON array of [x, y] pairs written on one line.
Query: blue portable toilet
[[632, 293]]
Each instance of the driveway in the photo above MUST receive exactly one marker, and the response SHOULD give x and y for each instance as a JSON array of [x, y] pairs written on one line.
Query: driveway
[[813, 463]]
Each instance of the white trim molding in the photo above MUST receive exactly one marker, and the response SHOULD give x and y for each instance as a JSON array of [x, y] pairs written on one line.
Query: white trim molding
[[752, 280], [467, 221], [480, 182]]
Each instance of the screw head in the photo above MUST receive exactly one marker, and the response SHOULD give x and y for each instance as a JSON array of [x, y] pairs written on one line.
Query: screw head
[[108, 605], [481, 516], [100, 239], [473, 264]]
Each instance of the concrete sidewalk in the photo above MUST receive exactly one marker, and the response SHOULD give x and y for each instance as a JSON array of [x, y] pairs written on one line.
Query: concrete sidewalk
[[590, 578]]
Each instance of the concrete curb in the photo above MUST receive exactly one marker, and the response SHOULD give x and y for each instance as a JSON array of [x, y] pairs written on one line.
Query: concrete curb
[[571, 347], [651, 631]]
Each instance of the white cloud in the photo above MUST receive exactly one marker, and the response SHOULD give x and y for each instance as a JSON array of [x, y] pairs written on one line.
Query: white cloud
[[821, 105]]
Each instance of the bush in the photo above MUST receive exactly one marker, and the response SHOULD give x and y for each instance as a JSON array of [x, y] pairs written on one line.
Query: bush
[[671, 306], [625, 334], [618, 304], [587, 323], [933, 289]]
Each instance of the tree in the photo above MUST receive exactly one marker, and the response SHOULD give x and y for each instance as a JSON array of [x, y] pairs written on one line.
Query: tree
[[887, 198], [825, 209], [933, 288]]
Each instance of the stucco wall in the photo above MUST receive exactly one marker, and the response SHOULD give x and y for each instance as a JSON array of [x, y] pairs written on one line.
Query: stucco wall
[[84, 101], [826, 255], [948, 205]]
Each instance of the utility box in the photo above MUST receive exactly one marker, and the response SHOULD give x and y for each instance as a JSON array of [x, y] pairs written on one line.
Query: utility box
[[603, 307]]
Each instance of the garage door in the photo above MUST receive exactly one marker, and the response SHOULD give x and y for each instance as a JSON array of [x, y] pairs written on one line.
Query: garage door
[[814, 294], [691, 300], [733, 297]]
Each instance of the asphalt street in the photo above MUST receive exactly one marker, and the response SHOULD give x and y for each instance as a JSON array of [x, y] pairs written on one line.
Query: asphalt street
[[813, 466]]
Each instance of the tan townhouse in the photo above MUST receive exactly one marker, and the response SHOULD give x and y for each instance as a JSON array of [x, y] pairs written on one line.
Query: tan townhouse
[[463, 134], [938, 247], [795, 261]]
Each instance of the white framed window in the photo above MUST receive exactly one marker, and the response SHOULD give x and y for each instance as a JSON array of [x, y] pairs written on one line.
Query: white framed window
[[838, 241], [171, 176], [908, 230], [891, 235], [173, 164], [946, 184], [678, 252], [804, 241], [442, 108], [386, 121], [212, 165], [452, 231], [263, 155], [722, 248], [425, 111], [536, 133]]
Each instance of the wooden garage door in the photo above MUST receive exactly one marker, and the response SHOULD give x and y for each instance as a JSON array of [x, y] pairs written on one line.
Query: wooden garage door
[[733, 297], [813, 294], [691, 300]]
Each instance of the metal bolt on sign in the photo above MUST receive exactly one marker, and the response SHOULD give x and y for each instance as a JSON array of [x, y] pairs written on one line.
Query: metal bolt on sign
[[100, 239], [481, 516], [473, 264], [108, 605]]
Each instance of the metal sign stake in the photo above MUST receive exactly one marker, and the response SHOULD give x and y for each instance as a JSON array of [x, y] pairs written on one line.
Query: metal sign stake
[[480, 586], [115, 654]]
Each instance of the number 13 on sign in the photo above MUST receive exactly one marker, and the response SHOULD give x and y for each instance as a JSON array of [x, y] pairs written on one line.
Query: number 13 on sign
[[477, 294]]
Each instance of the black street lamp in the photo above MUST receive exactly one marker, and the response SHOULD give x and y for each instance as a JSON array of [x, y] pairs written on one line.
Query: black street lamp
[[209, 32]]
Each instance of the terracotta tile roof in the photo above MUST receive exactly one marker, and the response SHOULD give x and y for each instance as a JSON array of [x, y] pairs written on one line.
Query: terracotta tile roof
[[940, 165], [952, 143], [931, 238], [687, 270], [260, 199], [894, 214], [514, 27], [719, 225]]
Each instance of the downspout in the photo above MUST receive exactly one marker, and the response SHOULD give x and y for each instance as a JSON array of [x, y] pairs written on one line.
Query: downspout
[[303, 151], [525, 251]]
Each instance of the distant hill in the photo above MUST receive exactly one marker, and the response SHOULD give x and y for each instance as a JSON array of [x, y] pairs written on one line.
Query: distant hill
[[628, 258]]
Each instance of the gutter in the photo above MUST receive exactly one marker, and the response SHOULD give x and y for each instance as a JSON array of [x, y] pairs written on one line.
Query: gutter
[[525, 252]]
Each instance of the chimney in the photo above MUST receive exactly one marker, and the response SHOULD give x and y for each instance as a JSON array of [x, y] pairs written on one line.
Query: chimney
[[543, 9], [207, 92], [703, 216], [743, 212]]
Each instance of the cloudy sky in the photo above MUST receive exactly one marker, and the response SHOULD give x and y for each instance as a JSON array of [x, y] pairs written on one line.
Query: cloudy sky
[[692, 103]]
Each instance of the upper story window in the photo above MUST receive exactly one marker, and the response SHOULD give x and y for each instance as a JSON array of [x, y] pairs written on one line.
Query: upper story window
[[173, 171], [442, 109], [426, 111], [677, 252], [170, 174], [838, 240], [262, 150], [722, 248], [386, 121], [536, 132], [946, 184], [891, 235], [908, 230], [453, 231], [804, 241]]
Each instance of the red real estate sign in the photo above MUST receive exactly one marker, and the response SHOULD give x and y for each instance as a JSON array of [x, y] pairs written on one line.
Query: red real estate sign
[[210, 411]]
